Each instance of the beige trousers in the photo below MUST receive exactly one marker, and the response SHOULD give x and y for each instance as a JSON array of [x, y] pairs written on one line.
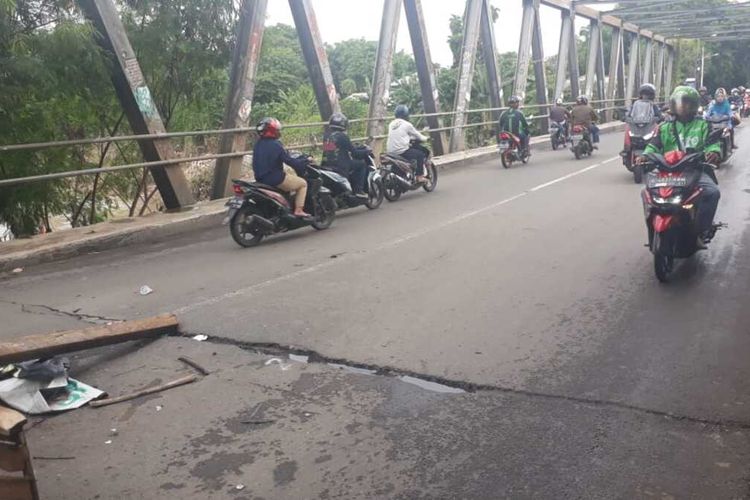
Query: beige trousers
[[292, 182]]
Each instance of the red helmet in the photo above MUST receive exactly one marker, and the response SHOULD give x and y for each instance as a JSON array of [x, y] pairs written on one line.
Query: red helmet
[[269, 128]]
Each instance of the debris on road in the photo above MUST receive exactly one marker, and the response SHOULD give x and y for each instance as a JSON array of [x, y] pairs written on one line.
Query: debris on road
[[50, 344], [257, 422], [145, 290], [200, 337], [17, 270], [299, 358], [108, 441], [277, 361], [53, 458], [194, 365], [239, 487], [143, 392]]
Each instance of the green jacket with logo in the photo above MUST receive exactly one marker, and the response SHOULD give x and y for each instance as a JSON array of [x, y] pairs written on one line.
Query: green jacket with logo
[[693, 136]]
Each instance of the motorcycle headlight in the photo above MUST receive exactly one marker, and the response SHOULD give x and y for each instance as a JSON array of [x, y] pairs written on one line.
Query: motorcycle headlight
[[672, 200]]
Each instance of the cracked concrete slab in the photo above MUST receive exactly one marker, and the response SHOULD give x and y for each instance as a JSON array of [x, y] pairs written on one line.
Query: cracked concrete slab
[[314, 431]]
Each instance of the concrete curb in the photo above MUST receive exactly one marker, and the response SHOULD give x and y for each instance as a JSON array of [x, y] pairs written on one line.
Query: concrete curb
[[114, 234]]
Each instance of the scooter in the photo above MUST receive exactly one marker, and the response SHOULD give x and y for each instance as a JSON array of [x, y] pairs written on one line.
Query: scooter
[[670, 203], [342, 192], [258, 210], [720, 125], [557, 134], [581, 142], [400, 176], [637, 136], [511, 149]]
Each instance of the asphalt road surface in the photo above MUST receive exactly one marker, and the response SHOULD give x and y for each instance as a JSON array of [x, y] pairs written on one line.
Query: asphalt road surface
[[530, 288]]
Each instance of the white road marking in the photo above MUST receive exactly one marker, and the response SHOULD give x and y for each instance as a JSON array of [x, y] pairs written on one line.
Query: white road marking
[[390, 244]]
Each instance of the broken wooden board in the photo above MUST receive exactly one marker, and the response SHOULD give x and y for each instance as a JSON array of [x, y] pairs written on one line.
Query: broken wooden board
[[10, 421], [50, 344]]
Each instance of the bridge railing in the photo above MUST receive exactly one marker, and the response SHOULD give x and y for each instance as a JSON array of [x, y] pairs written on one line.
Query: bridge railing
[[608, 105]]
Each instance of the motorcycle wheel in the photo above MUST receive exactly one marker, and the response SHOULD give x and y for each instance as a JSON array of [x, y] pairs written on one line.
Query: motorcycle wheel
[[577, 152], [432, 174], [506, 159], [375, 196], [525, 157], [245, 236], [663, 267], [554, 145], [638, 174], [324, 211], [391, 189]]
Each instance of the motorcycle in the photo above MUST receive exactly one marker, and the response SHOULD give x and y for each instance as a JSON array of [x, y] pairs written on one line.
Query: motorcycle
[[670, 204], [581, 142], [341, 188], [258, 210], [557, 134], [399, 175], [720, 126], [511, 149], [637, 135]]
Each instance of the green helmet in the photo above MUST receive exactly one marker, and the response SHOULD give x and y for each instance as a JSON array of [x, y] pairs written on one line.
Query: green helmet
[[684, 101]]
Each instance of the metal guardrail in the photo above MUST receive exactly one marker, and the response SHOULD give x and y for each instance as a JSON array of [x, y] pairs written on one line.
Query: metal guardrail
[[121, 138]]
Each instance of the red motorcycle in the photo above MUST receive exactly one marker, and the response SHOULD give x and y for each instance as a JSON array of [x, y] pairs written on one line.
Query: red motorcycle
[[670, 203], [511, 149]]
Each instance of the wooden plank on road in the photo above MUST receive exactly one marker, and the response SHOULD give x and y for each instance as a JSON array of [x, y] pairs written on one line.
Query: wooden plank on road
[[50, 344]]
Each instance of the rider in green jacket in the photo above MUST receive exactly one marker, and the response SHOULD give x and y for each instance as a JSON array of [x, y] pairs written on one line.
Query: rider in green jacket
[[690, 134]]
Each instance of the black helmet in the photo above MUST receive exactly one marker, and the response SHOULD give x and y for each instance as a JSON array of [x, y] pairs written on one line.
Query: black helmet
[[338, 121], [703, 90], [514, 99], [582, 99], [647, 90], [402, 111]]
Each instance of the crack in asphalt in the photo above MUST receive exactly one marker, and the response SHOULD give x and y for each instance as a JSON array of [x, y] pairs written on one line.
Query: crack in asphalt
[[88, 318], [276, 349]]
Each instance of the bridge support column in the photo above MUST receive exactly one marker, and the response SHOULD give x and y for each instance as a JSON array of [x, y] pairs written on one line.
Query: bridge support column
[[315, 57], [472, 16], [540, 76], [381, 80], [524, 48], [595, 63], [662, 48], [425, 72], [490, 60], [566, 28], [135, 99], [573, 71], [633, 62], [648, 63], [615, 56], [250, 26], [668, 81]]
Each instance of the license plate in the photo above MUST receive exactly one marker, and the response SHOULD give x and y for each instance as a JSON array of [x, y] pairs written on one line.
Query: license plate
[[504, 145], [576, 137], [673, 181], [235, 203]]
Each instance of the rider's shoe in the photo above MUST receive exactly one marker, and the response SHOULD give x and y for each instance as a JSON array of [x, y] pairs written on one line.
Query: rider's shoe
[[361, 194]]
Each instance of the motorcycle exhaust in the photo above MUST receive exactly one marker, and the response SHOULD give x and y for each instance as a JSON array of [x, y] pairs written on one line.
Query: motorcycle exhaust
[[403, 181], [264, 223]]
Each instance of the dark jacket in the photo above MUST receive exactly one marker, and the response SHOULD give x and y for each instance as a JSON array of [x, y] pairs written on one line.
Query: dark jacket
[[514, 122], [558, 114], [269, 157], [583, 114], [338, 149]]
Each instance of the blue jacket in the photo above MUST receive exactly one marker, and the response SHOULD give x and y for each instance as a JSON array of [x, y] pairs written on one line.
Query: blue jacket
[[716, 109], [269, 157]]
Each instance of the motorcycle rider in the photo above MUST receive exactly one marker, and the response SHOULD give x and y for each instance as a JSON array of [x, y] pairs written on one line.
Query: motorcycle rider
[[400, 134], [345, 158], [514, 122], [559, 114], [690, 134], [269, 157], [705, 97], [584, 115], [646, 97], [736, 98], [720, 107]]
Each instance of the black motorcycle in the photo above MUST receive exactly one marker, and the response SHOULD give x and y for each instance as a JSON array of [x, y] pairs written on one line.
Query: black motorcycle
[[400, 176], [258, 210], [670, 202], [581, 142], [640, 129], [341, 188], [558, 134], [721, 125]]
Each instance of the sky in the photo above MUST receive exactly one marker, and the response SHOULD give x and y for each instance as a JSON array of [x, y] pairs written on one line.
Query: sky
[[344, 19]]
